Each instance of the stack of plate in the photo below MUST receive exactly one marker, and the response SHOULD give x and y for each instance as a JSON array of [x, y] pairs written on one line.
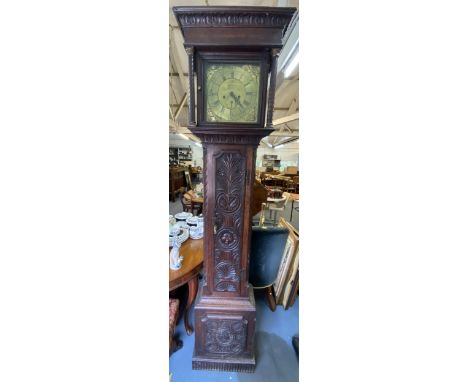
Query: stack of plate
[[192, 221], [181, 236], [183, 216], [194, 234]]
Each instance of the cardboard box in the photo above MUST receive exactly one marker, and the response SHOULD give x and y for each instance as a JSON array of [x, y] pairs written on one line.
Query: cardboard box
[[291, 170]]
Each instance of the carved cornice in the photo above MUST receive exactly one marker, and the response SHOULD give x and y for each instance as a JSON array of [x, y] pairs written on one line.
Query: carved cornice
[[233, 16], [241, 19]]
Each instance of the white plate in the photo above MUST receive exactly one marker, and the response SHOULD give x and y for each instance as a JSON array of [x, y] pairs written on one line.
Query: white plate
[[192, 220], [182, 237], [183, 224], [183, 215], [195, 237]]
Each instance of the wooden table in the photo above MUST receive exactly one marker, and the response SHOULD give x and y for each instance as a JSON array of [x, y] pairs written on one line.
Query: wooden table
[[192, 251], [294, 198]]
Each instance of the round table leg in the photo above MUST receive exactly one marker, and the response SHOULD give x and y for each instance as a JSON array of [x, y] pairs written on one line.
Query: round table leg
[[193, 289]]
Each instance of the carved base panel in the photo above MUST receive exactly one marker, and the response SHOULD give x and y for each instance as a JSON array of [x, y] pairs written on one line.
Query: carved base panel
[[224, 334]]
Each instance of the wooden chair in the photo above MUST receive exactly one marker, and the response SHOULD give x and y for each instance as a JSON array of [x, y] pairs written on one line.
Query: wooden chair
[[296, 184], [186, 204], [197, 208], [290, 186], [278, 206], [173, 316]]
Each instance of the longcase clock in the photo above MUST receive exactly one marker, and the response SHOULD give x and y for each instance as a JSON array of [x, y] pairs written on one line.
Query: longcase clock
[[232, 54]]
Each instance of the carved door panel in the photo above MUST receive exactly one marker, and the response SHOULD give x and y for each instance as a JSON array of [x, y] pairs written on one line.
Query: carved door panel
[[225, 334], [226, 252]]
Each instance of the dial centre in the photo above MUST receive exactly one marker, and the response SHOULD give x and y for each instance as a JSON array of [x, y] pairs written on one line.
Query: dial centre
[[231, 93]]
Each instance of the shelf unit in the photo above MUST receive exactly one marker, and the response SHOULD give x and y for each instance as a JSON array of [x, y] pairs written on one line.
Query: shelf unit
[[179, 154], [271, 161]]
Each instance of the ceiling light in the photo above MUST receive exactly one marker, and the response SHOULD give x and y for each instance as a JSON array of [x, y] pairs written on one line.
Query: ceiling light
[[291, 65], [266, 142]]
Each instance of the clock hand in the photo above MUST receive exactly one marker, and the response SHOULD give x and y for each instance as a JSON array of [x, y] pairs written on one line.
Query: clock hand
[[231, 93], [237, 99]]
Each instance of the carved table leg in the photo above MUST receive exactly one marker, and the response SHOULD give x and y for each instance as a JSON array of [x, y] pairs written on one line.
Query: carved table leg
[[193, 289]]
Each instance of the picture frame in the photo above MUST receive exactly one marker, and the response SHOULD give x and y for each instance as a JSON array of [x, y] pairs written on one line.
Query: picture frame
[[289, 255], [188, 179]]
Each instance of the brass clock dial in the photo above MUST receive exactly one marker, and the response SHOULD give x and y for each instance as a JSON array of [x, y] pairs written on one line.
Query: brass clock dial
[[232, 92]]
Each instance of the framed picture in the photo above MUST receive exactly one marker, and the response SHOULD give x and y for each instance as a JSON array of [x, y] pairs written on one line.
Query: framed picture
[[287, 261], [188, 180]]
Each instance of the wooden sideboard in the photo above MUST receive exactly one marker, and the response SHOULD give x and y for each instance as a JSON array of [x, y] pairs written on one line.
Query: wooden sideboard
[[176, 180]]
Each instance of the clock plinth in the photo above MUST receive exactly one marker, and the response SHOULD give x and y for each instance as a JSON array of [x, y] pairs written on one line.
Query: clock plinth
[[226, 334], [232, 54]]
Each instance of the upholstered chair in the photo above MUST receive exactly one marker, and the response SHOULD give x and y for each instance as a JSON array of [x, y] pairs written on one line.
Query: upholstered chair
[[173, 315], [266, 251]]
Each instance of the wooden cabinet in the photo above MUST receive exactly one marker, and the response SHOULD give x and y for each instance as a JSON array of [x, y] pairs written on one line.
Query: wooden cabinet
[[176, 181], [173, 156]]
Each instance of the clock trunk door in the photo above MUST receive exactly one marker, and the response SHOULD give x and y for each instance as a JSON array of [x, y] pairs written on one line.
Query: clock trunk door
[[228, 191]]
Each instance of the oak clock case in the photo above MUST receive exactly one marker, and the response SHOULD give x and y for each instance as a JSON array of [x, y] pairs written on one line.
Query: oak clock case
[[232, 54], [231, 89]]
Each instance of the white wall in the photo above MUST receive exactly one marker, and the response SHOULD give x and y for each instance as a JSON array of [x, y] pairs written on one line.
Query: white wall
[[289, 152], [197, 152]]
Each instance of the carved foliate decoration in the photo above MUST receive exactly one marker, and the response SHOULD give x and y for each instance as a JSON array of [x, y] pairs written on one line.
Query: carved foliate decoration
[[229, 139], [225, 336], [229, 200]]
